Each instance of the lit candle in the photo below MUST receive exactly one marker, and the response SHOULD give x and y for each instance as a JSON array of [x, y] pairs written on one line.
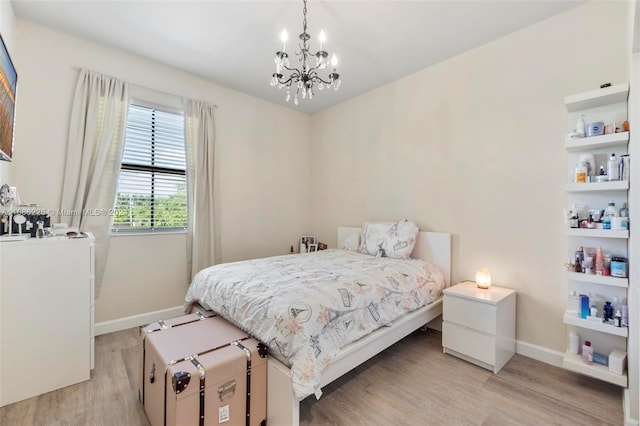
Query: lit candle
[[283, 38]]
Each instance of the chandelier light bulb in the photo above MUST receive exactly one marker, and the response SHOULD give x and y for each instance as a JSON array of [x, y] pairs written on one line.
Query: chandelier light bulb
[[283, 38], [334, 61], [323, 38]]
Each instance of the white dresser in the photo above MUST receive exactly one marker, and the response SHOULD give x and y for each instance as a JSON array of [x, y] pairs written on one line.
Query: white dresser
[[46, 315], [479, 325]]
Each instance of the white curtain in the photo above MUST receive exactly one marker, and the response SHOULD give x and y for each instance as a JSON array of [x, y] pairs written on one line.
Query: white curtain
[[200, 134], [94, 151]]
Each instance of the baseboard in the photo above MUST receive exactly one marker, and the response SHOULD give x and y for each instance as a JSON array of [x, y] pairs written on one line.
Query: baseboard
[[539, 353], [628, 421], [136, 320]]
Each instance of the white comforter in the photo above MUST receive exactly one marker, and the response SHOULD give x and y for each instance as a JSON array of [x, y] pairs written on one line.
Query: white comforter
[[306, 307]]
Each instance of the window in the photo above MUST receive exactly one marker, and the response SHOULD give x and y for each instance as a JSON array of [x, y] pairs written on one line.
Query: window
[[152, 187]]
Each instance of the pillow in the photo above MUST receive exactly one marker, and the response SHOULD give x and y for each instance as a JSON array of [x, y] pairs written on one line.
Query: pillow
[[395, 239], [352, 242]]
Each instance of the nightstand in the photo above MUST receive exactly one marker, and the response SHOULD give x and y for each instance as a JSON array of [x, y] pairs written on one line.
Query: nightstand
[[479, 326]]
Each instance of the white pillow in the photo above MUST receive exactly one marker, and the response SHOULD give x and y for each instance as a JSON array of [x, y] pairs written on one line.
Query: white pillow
[[352, 242], [395, 239]]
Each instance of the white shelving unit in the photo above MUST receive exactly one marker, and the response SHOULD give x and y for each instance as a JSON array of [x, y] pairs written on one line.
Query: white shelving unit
[[606, 105]]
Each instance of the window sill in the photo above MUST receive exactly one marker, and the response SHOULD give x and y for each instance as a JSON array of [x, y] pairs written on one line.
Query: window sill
[[144, 234]]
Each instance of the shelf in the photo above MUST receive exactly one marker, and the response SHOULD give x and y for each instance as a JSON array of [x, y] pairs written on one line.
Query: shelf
[[616, 185], [595, 325], [614, 140], [574, 363], [598, 233], [598, 97], [598, 279]]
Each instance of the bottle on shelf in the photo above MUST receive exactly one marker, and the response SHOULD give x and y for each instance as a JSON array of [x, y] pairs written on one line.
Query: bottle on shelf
[[573, 307], [587, 353], [608, 311], [624, 210], [599, 261], [610, 212], [579, 258], [580, 127], [613, 167], [581, 172], [617, 319], [574, 342]]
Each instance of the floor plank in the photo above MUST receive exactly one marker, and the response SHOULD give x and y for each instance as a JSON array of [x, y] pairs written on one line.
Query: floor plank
[[411, 383]]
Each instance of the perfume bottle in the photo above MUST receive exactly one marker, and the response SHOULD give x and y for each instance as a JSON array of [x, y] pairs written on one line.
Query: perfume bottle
[[40, 230]]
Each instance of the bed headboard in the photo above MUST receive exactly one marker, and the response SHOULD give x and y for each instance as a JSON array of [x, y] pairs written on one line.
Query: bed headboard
[[434, 247]]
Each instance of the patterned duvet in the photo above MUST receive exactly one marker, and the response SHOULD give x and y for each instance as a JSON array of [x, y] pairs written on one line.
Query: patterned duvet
[[307, 307]]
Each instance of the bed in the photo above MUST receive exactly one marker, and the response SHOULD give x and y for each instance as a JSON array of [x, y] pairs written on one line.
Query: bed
[[304, 360]]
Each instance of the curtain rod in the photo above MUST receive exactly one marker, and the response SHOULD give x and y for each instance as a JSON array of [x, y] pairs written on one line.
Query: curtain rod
[[144, 87]]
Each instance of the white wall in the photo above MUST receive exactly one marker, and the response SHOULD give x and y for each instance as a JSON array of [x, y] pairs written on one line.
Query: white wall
[[263, 158], [475, 146]]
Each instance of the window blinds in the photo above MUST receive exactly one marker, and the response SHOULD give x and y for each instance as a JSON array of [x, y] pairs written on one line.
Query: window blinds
[[152, 192]]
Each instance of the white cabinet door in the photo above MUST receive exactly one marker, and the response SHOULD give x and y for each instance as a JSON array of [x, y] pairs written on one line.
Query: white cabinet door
[[45, 316]]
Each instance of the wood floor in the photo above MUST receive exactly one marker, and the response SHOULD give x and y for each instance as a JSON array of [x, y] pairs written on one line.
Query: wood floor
[[412, 383]]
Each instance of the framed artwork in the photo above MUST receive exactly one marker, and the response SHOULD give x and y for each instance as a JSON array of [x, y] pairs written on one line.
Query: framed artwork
[[306, 241], [8, 86]]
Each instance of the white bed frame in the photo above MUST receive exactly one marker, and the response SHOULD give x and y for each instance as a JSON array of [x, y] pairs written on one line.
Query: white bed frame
[[282, 407]]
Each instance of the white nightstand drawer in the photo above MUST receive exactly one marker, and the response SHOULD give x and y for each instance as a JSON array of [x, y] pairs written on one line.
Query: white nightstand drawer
[[469, 342], [470, 313]]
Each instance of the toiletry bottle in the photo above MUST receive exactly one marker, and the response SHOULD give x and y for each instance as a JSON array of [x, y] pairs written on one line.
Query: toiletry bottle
[[574, 342], [599, 261], [579, 258], [584, 306], [624, 210], [606, 267], [587, 352], [609, 212], [613, 171], [574, 222], [580, 126], [588, 265], [611, 209], [573, 305], [593, 312], [608, 311], [581, 172], [625, 315], [617, 319]]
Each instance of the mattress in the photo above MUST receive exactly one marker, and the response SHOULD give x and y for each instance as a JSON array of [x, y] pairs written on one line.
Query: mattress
[[307, 307]]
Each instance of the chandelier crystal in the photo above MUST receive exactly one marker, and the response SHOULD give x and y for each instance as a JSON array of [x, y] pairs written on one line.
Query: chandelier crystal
[[305, 77]]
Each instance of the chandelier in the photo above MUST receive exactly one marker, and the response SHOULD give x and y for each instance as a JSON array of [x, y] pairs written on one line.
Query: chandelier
[[307, 75]]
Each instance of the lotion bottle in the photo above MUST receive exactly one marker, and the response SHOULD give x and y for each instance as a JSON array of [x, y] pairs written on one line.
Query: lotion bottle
[[587, 353], [580, 126], [612, 167]]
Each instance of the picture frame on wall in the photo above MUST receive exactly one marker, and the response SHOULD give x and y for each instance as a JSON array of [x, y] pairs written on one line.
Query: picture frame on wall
[[8, 90]]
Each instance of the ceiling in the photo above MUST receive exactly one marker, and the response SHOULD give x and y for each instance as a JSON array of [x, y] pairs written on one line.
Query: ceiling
[[233, 43]]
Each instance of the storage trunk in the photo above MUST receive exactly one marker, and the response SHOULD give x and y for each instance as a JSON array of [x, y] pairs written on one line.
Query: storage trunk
[[162, 325], [204, 373]]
